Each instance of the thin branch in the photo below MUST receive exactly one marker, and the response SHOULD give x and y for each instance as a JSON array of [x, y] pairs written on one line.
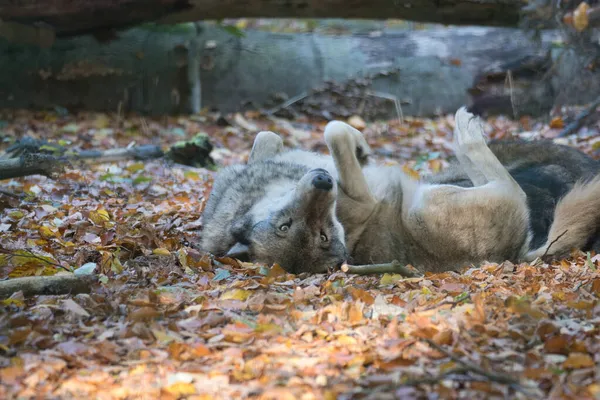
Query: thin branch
[[11, 194], [580, 119], [552, 242], [438, 378], [393, 98], [287, 103], [393, 267], [30, 254], [476, 369]]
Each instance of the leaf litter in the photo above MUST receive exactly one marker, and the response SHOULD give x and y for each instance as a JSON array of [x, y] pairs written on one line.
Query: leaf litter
[[168, 321]]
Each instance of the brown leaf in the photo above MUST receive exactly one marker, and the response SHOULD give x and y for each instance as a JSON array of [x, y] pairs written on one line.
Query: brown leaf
[[578, 360]]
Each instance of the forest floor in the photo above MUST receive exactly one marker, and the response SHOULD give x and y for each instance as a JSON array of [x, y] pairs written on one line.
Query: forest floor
[[167, 321]]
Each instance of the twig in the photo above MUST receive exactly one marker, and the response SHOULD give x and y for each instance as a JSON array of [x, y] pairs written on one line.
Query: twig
[[509, 81], [552, 242], [11, 194], [476, 369], [393, 98], [49, 285], [580, 119], [287, 103], [438, 378], [393, 267], [30, 254]]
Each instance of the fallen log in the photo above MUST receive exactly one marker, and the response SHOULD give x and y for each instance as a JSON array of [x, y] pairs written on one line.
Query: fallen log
[[68, 17], [435, 69], [30, 164], [25, 157], [47, 285]]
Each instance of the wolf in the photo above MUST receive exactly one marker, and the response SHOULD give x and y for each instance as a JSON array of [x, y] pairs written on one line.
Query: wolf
[[275, 211], [510, 200]]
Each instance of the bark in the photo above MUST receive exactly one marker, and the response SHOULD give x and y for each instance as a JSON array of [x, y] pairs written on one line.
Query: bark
[[31, 164], [435, 68], [47, 285], [393, 267], [70, 17]]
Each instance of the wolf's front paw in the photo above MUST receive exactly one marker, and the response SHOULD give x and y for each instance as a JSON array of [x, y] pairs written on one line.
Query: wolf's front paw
[[338, 133]]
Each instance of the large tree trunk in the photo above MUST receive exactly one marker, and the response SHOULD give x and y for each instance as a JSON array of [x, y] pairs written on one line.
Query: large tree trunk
[[69, 17], [143, 69]]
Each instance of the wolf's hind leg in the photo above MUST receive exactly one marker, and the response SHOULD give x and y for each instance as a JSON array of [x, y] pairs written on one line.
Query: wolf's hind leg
[[347, 145], [480, 163], [266, 145]]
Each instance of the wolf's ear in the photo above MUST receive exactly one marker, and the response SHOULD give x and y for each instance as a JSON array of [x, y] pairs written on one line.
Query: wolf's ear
[[239, 251], [266, 145]]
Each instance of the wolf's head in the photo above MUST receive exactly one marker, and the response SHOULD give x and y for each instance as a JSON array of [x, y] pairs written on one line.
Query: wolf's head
[[296, 228]]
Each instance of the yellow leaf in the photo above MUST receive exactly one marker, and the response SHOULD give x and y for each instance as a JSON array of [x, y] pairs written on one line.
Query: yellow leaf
[[102, 121], [136, 167], [236, 294], [180, 389], [389, 279], [13, 302], [578, 360], [16, 214], [116, 265], [192, 175], [580, 16], [99, 217], [32, 269], [26, 258], [48, 232], [182, 257], [346, 340], [267, 328], [161, 251]]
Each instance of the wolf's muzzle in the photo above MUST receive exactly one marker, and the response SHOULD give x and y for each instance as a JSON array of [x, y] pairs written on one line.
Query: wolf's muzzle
[[322, 180]]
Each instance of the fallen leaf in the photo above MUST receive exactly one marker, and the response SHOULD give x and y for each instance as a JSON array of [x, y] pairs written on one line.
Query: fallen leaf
[[578, 360]]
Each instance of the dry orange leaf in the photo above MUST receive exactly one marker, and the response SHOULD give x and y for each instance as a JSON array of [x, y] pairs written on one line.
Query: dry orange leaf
[[557, 123], [578, 360]]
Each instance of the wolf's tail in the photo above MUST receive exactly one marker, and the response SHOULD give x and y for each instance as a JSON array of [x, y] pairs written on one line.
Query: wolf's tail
[[576, 220]]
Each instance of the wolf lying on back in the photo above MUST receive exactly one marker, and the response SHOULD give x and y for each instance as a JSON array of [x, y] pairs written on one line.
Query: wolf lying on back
[[442, 224]]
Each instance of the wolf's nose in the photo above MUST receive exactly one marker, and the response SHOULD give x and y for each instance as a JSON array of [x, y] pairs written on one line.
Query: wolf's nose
[[322, 181]]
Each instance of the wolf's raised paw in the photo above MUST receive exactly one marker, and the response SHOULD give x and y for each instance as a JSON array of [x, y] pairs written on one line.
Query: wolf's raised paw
[[337, 132]]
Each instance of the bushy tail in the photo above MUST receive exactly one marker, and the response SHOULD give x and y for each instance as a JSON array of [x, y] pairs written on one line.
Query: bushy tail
[[576, 220]]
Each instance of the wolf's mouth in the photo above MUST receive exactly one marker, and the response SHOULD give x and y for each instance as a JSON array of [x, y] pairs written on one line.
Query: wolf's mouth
[[337, 267]]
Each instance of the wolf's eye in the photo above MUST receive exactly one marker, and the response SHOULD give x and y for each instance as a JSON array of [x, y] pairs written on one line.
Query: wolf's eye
[[285, 227], [324, 237]]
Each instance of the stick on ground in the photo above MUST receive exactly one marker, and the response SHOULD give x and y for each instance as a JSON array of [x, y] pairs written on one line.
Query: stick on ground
[[30, 164], [574, 126], [393, 267], [48, 285]]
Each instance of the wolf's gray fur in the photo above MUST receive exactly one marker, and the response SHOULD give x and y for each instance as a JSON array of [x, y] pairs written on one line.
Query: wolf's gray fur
[[478, 210], [275, 211]]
